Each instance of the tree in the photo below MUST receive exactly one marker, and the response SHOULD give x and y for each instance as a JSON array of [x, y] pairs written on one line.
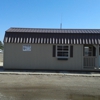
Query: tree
[[1, 45]]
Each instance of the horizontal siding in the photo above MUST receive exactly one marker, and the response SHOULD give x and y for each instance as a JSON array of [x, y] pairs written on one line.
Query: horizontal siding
[[40, 57]]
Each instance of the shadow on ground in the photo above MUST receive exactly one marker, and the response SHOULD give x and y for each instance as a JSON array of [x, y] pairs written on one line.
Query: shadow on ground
[[48, 71]]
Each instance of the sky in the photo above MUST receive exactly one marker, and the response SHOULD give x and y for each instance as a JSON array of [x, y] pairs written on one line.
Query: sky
[[77, 14]]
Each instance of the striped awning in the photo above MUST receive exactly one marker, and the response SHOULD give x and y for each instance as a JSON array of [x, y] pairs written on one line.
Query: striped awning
[[42, 37]]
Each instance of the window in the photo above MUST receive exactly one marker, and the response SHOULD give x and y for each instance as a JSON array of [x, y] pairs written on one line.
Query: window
[[62, 51], [89, 51]]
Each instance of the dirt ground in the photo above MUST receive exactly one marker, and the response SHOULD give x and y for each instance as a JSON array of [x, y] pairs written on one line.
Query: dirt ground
[[49, 87]]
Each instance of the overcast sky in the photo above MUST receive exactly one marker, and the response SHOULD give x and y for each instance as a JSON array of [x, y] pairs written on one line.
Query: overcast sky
[[49, 14]]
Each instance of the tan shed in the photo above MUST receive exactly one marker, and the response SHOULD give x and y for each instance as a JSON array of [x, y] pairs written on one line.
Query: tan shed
[[52, 49]]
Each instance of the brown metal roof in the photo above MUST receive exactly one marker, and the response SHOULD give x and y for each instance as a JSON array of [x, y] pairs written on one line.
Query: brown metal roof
[[45, 30], [52, 36]]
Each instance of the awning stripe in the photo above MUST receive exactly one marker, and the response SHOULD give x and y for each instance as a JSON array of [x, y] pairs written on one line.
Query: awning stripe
[[52, 38]]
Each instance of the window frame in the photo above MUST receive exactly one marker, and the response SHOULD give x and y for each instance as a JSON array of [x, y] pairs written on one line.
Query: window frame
[[67, 51]]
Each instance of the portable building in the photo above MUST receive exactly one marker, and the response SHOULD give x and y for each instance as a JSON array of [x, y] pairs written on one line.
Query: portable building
[[52, 49]]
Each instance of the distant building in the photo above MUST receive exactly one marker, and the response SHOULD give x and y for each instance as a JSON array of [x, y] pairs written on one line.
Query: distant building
[[52, 49], [1, 50]]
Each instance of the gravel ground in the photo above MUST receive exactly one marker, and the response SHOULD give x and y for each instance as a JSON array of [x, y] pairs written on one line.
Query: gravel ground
[[49, 87]]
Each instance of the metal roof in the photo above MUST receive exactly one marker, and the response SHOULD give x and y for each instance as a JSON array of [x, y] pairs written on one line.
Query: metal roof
[[52, 36], [45, 30]]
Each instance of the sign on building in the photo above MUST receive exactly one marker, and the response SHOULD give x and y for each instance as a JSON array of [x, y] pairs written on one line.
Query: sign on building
[[26, 48]]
